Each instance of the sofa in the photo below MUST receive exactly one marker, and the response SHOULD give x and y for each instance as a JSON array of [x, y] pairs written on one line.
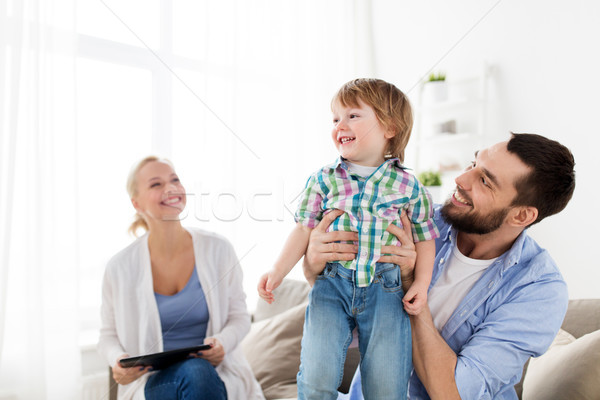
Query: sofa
[[570, 369]]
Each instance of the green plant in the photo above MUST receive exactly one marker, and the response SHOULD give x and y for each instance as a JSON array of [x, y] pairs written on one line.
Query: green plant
[[439, 77], [430, 178]]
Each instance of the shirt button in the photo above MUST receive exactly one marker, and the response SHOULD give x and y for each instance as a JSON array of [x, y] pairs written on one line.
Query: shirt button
[[490, 284], [442, 260]]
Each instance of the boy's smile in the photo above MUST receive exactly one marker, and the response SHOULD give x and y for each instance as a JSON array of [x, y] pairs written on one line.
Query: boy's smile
[[358, 135]]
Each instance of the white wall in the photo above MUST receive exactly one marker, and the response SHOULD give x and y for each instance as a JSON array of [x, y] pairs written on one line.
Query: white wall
[[546, 62]]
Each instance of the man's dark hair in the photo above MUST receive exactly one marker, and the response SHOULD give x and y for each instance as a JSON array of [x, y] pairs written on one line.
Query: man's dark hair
[[550, 184]]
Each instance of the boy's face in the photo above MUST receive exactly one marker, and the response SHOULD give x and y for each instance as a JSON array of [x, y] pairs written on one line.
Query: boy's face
[[358, 135]]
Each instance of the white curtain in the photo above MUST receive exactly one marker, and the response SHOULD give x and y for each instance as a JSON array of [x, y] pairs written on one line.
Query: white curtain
[[237, 94], [280, 64], [38, 207]]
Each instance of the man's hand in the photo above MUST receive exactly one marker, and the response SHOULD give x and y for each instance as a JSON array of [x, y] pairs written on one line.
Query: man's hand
[[323, 247], [404, 255], [124, 376]]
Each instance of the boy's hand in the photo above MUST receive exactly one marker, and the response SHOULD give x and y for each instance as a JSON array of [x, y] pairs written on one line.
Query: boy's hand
[[267, 283], [415, 299]]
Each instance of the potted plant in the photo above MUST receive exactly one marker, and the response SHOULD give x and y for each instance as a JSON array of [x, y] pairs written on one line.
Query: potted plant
[[435, 89], [432, 180]]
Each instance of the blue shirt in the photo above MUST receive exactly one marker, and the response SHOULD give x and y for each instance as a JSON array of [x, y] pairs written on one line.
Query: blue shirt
[[183, 316], [512, 313]]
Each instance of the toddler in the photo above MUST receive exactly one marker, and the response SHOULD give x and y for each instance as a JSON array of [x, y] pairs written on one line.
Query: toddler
[[372, 121]]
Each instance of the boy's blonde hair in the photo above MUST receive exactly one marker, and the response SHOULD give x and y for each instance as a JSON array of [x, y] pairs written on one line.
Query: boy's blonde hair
[[390, 105], [132, 190]]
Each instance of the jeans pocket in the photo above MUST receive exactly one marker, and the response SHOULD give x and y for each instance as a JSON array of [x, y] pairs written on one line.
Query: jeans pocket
[[391, 280], [326, 272]]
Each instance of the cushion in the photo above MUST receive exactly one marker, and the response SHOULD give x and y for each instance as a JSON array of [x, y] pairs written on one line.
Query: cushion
[[289, 294], [569, 370], [273, 350], [583, 316]]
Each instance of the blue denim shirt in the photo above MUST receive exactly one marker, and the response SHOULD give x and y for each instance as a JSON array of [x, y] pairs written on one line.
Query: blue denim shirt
[[512, 313]]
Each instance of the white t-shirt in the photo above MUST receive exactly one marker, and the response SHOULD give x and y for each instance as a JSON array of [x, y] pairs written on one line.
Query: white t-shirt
[[360, 170], [456, 280]]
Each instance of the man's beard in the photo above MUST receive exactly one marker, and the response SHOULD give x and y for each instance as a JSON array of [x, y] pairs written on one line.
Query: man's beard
[[473, 222]]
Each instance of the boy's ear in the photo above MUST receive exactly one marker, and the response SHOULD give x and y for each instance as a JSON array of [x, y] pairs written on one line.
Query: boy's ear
[[523, 216]]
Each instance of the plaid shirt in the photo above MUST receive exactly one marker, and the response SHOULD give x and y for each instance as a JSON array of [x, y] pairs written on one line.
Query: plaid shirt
[[370, 205]]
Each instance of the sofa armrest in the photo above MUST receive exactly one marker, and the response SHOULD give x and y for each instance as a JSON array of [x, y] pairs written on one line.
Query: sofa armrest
[[583, 317]]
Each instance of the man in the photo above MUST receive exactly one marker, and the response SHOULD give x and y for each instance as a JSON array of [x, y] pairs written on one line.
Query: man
[[496, 298]]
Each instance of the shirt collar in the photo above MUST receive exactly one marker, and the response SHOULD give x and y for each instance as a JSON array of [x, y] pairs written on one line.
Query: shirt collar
[[342, 163], [514, 254], [509, 258]]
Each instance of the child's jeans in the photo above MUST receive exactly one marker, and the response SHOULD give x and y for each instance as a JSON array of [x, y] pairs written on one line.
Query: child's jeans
[[336, 306]]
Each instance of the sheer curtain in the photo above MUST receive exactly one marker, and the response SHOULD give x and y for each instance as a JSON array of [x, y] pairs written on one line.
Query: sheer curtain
[[275, 66], [235, 92], [38, 292]]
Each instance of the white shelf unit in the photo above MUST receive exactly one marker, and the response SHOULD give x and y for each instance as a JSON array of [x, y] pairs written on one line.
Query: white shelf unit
[[434, 148]]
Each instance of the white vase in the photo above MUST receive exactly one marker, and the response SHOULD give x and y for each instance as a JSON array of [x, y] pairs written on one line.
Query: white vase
[[435, 92]]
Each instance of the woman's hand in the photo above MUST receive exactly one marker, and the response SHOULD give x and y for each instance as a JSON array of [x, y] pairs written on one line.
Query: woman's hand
[[404, 255], [215, 354], [124, 376], [323, 247]]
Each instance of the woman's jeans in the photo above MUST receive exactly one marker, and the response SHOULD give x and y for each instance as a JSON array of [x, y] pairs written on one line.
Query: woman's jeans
[[194, 378], [336, 306]]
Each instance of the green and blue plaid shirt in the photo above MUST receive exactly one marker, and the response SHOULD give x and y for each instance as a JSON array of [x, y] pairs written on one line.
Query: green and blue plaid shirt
[[370, 205]]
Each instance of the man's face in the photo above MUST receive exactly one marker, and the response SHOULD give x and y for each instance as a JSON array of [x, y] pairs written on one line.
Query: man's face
[[485, 191]]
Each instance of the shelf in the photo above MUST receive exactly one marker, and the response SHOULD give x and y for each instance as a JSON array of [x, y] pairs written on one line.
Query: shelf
[[448, 105], [445, 138], [463, 110]]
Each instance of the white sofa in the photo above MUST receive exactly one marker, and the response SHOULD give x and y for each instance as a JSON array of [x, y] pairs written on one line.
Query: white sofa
[[570, 370]]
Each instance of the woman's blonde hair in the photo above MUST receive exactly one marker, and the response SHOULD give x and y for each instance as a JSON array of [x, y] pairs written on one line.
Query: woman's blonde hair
[[132, 190], [390, 104]]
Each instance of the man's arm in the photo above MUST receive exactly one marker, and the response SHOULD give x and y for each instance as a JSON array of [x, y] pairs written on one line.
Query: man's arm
[[324, 247], [433, 360], [521, 326]]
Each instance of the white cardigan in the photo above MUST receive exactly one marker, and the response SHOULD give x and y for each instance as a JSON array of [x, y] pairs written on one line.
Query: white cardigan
[[131, 322]]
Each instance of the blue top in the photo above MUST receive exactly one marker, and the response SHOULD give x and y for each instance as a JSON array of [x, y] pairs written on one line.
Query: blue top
[[183, 316], [513, 312]]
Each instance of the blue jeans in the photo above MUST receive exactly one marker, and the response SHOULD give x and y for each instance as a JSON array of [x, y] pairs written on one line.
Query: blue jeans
[[336, 306], [194, 378]]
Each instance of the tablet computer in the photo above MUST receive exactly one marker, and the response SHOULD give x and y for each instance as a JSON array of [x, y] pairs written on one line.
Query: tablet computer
[[163, 359]]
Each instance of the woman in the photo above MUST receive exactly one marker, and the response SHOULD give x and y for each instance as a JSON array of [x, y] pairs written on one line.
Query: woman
[[172, 288]]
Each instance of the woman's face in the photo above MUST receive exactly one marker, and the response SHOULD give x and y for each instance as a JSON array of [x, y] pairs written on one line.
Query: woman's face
[[160, 195]]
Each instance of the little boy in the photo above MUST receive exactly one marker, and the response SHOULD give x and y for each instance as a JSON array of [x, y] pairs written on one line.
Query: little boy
[[372, 121]]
